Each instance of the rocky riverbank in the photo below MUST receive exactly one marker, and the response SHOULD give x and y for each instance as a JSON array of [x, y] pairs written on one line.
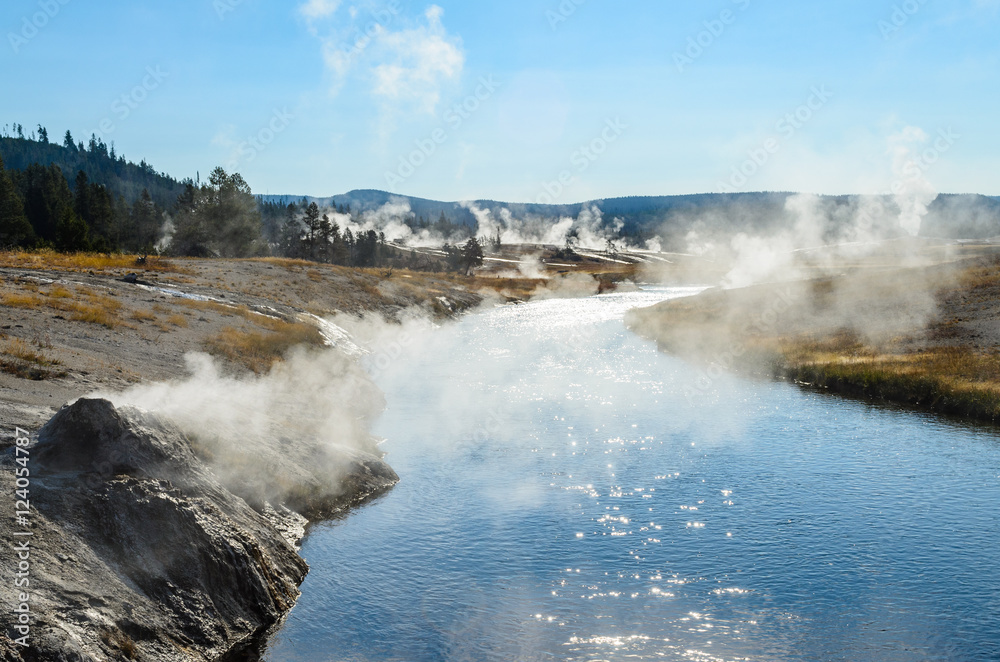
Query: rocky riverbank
[[173, 536], [140, 551]]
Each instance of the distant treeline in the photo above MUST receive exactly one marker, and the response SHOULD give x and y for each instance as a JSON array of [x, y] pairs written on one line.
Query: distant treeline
[[100, 161], [84, 197], [75, 196], [302, 230]]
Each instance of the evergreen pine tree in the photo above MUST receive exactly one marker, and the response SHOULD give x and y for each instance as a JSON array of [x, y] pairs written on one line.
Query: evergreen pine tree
[[312, 229], [14, 227], [472, 255], [144, 224], [71, 232]]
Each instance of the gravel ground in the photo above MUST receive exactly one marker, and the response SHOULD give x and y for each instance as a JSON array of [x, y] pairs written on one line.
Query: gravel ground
[[160, 319]]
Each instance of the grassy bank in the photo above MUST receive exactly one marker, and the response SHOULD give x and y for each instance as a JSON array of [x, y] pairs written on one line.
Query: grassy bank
[[948, 380], [924, 337]]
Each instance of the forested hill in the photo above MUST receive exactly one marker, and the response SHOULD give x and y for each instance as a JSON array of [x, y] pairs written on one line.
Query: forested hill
[[100, 163], [638, 212], [364, 200], [75, 196], [672, 217]]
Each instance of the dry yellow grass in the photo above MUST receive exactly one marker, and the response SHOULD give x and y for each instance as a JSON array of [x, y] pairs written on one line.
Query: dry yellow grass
[[951, 377], [259, 350], [20, 349], [953, 380], [84, 305], [18, 358], [98, 309], [81, 312], [122, 642], [944, 367], [521, 288], [423, 286], [21, 300], [48, 259], [228, 310], [367, 284], [979, 276], [431, 283], [178, 320], [140, 315]]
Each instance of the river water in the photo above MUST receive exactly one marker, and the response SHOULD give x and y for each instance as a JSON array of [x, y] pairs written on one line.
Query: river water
[[564, 496]]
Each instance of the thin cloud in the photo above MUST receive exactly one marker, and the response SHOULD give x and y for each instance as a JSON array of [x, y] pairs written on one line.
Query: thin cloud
[[317, 9], [418, 62], [405, 66]]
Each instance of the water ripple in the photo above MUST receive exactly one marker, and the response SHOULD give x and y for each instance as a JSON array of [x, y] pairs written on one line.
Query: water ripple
[[562, 500]]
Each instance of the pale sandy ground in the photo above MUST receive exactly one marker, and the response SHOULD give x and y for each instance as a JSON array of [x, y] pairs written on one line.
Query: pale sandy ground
[[93, 356]]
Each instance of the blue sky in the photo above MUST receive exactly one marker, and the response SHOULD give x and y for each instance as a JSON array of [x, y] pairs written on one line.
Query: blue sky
[[525, 100]]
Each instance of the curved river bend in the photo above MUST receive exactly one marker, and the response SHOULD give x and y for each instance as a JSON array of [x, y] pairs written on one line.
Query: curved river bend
[[561, 499]]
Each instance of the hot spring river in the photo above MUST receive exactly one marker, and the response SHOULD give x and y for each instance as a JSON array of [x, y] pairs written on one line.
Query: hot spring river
[[562, 499]]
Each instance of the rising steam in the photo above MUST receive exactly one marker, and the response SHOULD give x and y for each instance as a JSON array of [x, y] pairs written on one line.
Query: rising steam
[[912, 191], [297, 428], [588, 230], [817, 236]]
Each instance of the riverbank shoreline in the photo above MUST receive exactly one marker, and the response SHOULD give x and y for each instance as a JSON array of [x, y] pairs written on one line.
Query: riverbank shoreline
[[924, 337], [75, 325], [138, 547], [79, 325]]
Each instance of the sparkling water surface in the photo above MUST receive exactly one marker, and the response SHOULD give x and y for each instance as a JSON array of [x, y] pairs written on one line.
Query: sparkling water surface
[[570, 493]]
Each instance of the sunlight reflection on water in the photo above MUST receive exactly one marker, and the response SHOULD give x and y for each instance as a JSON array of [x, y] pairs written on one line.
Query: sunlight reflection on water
[[562, 500]]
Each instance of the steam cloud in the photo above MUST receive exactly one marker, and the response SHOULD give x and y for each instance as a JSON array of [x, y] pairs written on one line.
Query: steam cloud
[[588, 229], [818, 236], [391, 220], [911, 188], [301, 424], [861, 247]]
